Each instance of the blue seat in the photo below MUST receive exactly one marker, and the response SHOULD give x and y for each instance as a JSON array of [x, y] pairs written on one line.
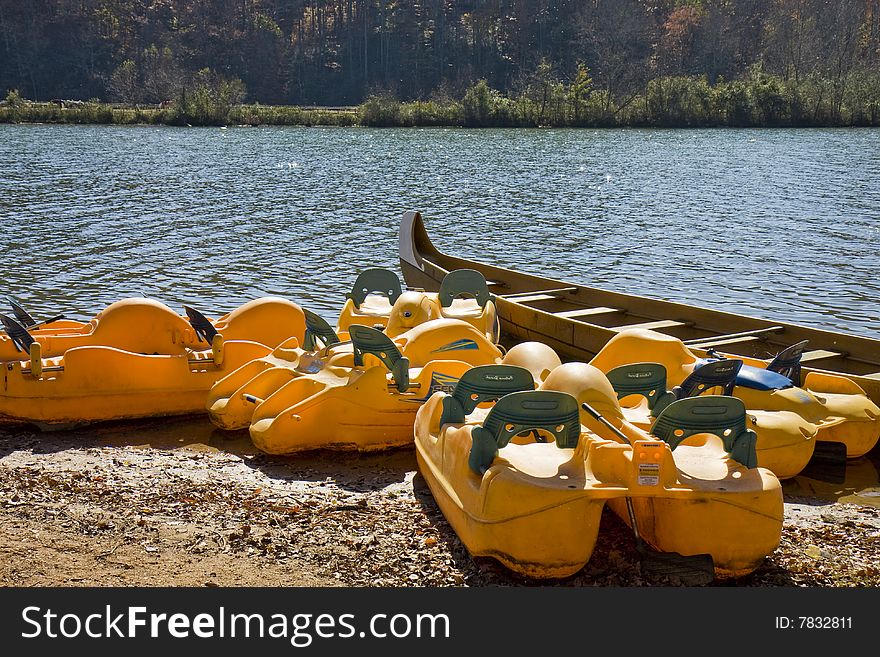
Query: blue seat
[[710, 374], [756, 378]]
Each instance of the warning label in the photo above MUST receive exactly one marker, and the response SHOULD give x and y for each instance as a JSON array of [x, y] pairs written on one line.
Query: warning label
[[649, 474]]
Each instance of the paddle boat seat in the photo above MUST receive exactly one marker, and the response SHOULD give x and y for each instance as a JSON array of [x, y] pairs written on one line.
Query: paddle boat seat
[[148, 326], [94, 383], [788, 362], [786, 441], [535, 504], [835, 405], [369, 303], [231, 402], [464, 294], [318, 330], [368, 406], [58, 323]]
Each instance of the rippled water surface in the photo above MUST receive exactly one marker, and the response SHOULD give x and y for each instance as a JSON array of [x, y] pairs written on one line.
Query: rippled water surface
[[779, 224]]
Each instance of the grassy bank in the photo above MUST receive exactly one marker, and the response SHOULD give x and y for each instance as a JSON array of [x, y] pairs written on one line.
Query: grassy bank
[[759, 100], [74, 112]]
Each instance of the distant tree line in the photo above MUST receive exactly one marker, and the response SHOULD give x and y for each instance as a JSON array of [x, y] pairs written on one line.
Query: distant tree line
[[468, 62]]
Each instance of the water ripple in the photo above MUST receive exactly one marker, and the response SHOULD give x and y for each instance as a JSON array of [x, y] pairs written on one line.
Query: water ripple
[[778, 224]]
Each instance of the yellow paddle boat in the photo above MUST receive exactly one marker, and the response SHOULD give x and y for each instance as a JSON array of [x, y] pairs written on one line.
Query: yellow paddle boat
[[837, 406], [96, 382], [148, 326], [231, 402], [371, 298], [366, 400], [464, 294], [377, 300], [524, 482], [785, 441]]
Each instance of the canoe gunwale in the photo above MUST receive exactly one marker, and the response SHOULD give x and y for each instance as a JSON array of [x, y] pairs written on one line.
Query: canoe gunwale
[[422, 262]]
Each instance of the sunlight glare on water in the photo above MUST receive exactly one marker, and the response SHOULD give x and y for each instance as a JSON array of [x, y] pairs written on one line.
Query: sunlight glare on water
[[781, 224]]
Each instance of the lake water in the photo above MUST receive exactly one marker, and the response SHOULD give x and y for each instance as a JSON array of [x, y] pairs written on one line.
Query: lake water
[[782, 224]]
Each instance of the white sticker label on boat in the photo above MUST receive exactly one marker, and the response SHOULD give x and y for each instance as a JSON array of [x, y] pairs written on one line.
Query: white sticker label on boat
[[649, 474]]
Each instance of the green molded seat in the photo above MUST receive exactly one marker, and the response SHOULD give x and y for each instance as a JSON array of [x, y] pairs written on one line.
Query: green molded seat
[[19, 335], [646, 379], [366, 340], [480, 384], [718, 414], [201, 324], [463, 282], [514, 414], [375, 281], [714, 373], [317, 328]]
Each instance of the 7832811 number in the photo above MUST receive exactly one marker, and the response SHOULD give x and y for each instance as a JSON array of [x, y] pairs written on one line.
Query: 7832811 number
[[825, 622]]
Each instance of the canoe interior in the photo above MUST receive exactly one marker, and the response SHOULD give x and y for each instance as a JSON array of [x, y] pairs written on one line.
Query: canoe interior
[[577, 320]]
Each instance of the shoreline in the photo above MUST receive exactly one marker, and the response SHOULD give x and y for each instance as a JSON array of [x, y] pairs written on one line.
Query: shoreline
[[414, 114], [175, 503]]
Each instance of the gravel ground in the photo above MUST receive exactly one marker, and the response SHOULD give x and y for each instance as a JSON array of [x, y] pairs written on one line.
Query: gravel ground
[[175, 502]]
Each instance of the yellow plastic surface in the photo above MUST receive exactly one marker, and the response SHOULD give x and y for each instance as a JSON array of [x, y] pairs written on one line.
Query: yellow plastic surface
[[537, 507], [232, 401], [96, 383], [838, 408], [148, 326], [346, 408], [413, 308]]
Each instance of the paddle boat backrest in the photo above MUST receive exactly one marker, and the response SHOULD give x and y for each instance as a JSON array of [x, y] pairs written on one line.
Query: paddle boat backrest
[[317, 328], [201, 324], [467, 282], [646, 379], [23, 316], [375, 281], [549, 410], [481, 384], [714, 373], [17, 333], [366, 340], [788, 362], [721, 415]]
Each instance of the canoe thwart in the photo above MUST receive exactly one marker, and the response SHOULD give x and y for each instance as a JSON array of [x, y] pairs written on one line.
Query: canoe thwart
[[585, 312], [820, 354], [712, 343], [552, 293], [732, 338], [652, 326]]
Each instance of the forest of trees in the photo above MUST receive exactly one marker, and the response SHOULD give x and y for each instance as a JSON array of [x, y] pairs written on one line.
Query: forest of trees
[[600, 57]]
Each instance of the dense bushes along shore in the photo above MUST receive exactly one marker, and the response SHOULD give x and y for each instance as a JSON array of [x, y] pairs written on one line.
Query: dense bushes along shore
[[758, 100]]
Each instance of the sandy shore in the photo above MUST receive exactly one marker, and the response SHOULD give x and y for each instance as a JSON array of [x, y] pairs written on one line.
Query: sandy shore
[[178, 503]]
